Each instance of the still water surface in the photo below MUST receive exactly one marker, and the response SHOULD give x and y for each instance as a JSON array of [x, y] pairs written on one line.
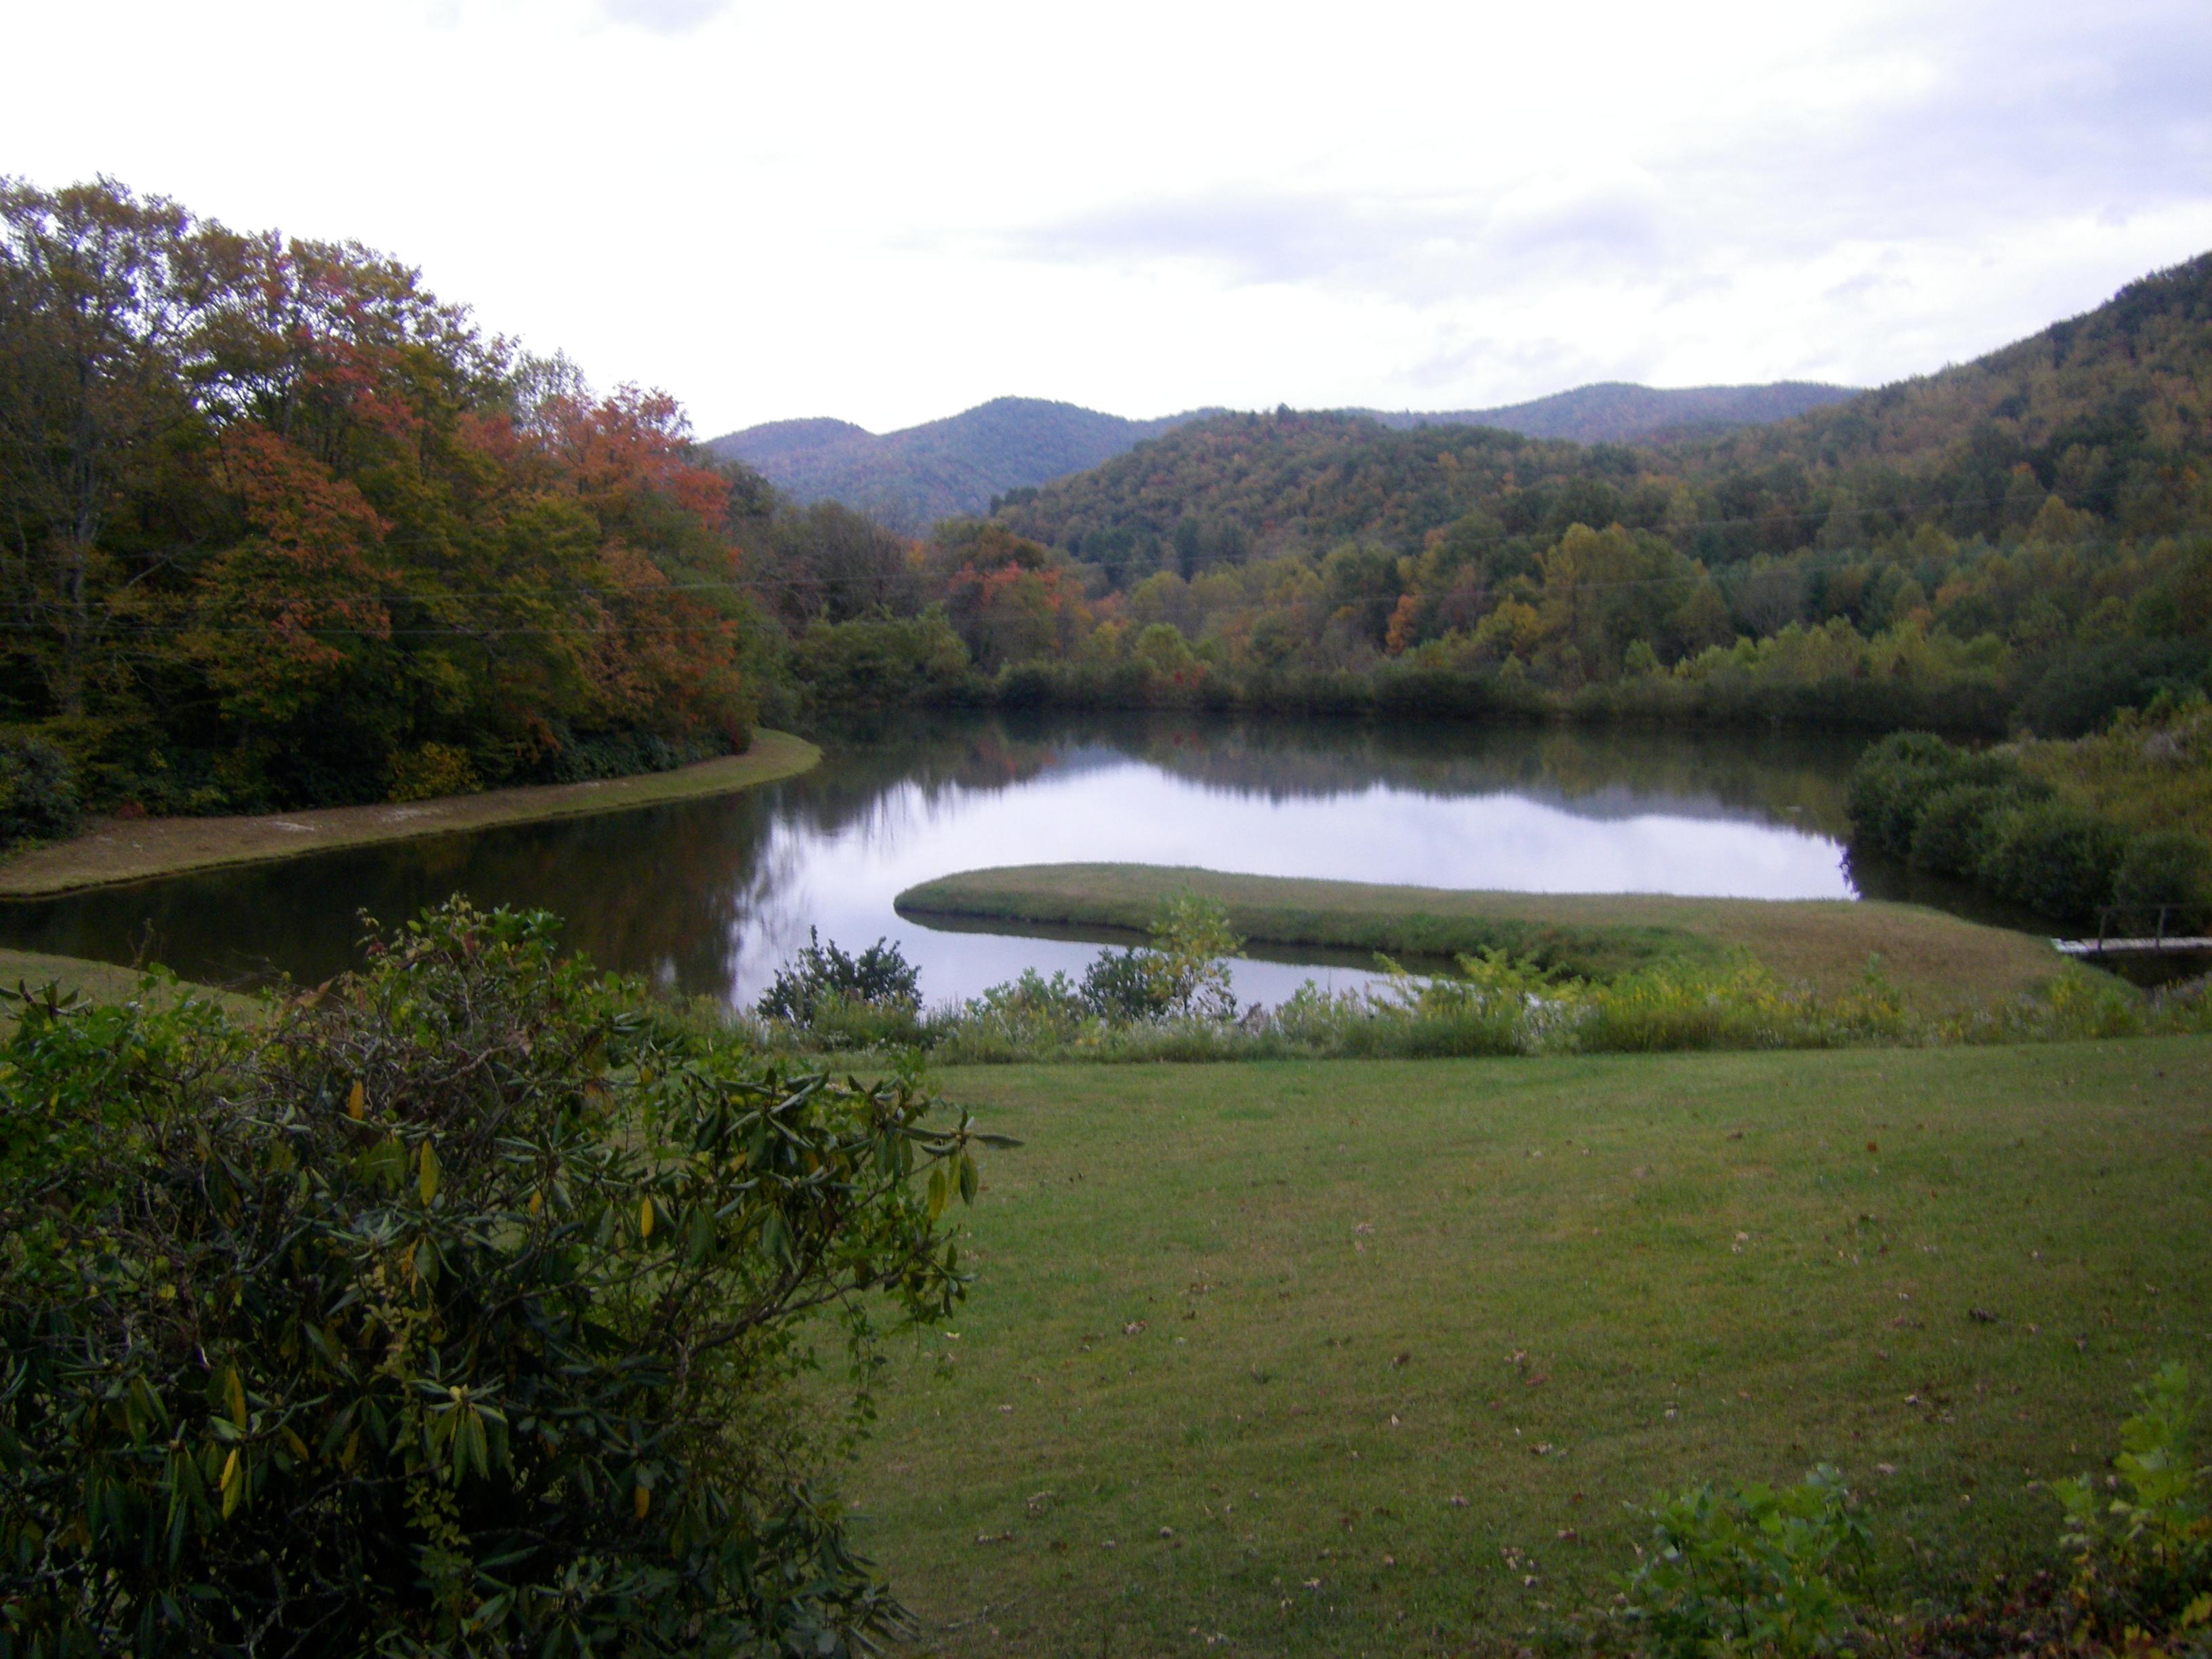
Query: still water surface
[[710, 896]]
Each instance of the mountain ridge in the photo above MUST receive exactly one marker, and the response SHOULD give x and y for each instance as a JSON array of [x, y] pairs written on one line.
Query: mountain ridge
[[910, 478], [2108, 411]]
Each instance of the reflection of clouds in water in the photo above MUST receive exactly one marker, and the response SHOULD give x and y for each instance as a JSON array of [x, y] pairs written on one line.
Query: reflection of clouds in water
[[843, 881]]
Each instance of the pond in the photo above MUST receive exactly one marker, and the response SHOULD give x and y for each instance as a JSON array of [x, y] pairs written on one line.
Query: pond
[[710, 896]]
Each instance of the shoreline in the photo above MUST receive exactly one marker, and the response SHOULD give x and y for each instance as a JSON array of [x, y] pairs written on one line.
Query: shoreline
[[114, 852]]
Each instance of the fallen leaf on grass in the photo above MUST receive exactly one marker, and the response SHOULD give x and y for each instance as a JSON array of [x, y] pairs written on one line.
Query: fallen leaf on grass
[[1134, 1327]]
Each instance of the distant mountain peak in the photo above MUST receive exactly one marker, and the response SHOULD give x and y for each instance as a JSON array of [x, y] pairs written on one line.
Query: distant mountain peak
[[910, 478]]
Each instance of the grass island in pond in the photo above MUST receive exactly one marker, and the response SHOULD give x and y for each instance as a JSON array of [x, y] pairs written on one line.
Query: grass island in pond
[[1942, 961]]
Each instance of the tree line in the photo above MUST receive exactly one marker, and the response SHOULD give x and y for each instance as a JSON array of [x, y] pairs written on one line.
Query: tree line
[[2022, 540]]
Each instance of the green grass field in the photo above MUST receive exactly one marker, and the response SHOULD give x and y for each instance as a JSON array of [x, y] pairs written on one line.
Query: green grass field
[[1345, 1357], [1941, 961]]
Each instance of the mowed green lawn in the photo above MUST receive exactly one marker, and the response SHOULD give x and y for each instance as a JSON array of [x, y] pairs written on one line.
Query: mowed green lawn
[[1340, 1357]]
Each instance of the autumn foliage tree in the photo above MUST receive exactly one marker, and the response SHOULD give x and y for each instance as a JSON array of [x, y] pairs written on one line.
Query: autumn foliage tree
[[276, 519]]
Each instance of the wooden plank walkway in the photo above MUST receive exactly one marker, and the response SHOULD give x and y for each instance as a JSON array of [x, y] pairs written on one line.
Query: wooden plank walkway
[[2126, 947]]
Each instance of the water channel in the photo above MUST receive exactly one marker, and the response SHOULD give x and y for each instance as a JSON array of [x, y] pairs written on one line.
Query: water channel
[[710, 896]]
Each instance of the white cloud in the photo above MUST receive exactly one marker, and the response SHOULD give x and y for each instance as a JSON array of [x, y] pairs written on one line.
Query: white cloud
[[889, 212]]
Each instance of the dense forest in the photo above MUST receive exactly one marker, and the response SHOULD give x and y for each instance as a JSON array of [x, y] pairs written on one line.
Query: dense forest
[[279, 527], [2022, 539], [1616, 412]]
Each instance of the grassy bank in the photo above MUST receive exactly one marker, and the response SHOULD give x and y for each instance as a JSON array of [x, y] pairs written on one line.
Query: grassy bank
[[116, 850], [101, 982], [1244, 1339], [1940, 961]]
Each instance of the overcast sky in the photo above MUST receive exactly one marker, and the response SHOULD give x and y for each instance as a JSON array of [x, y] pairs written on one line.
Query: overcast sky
[[891, 212]]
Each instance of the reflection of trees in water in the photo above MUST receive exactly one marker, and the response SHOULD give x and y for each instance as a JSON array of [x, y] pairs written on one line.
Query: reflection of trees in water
[[1784, 777], [1789, 777], [653, 891]]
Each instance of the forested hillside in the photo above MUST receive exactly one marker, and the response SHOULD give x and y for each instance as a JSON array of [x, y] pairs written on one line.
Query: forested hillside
[[2021, 539], [1619, 411], [279, 527], [907, 480]]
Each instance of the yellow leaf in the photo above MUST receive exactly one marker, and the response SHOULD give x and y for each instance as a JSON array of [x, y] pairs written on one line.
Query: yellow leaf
[[645, 1218], [429, 1185], [641, 1500], [536, 1202], [354, 1103], [233, 1393], [232, 1485]]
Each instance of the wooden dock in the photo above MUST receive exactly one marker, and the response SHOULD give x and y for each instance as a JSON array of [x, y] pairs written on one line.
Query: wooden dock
[[2163, 946]]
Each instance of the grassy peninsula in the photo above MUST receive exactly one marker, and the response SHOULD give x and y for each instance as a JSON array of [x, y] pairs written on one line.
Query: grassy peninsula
[[1387, 1356], [119, 850], [1940, 961]]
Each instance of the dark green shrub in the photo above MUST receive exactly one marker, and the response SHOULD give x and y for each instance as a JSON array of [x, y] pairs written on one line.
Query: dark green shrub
[[584, 757], [879, 977], [1947, 837], [1899, 781], [2054, 859], [38, 792], [1122, 986], [1182, 974], [1761, 1570], [2166, 867], [459, 1310], [1889, 785]]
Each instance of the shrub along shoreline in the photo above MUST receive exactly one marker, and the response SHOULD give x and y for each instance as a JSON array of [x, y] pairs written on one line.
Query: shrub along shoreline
[[116, 850], [2027, 833], [1171, 999]]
